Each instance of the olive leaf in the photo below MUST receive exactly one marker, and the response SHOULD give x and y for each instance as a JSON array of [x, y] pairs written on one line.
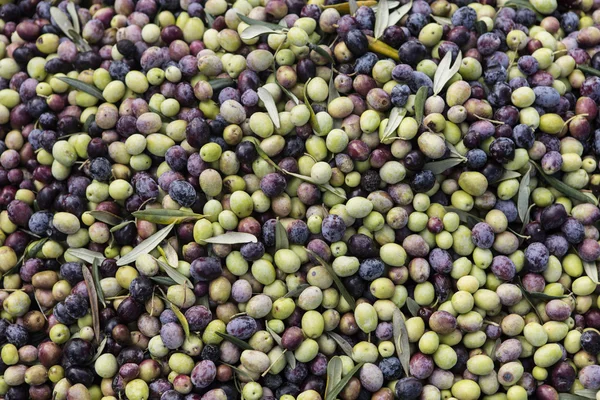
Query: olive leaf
[[175, 275], [568, 396], [163, 117], [497, 344], [182, 320], [289, 356], [93, 296], [335, 368], [401, 340], [337, 191], [379, 47], [420, 98], [74, 17], [381, 19], [391, 6], [336, 390], [220, 83], [321, 51], [289, 94], [163, 280], [256, 30], [413, 306], [336, 279], [342, 343], [481, 27], [232, 238], [35, 247], [588, 70], [353, 6], [62, 21], [252, 21], [539, 295], [344, 8], [588, 393], [106, 217], [261, 152], [333, 93], [444, 72], [564, 188], [297, 292], [396, 15], [281, 237], [121, 226], [507, 175], [166, 217], [96, 278], [83, 87], [99, 350], [464, 216], [591, 270], [86, 126], [171, 255], [396, 116], [146, 246], [441, 20], [437, 167], [86, 255], [270, 105], [238, 342], [523, 197], [524, 4]]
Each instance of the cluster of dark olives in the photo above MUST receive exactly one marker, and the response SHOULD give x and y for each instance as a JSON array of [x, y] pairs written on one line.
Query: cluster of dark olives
[[299, 199]]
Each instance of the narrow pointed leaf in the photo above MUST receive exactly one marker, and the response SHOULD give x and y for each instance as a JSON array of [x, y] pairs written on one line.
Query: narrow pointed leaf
[[163, 280], [86, 255], [337, 389], [298, 291], [121, 225], [96, 277], [564, 188], [334, 373], [83, 87], [396, 15], [507, 175], [289, 356], [220, 83], [401, 340], [481, 27], [93, 297], [106, 217], [74, 17], [588, 393], [420, 103], [340, 285], [146, 246], [322, 52], [588, 70], [441, 20], [569, 396], [289, 94], [232, 238], [437, 167], [342, 343], [412, 306], [591, 270], [35, 248], [333, 93], [391, 5], [61, 20], [270, 105], [175, 275], [353, 6], [281, 237], [523, 197], [396, 116], [256, 30], [166, 217], [337, 191], [171, 255], [381, 18], [182, 320], [252, 21], [238, 342], [261, 152], [464, 216], [493, 352], [100, 349], [344, 8], [445, 72]]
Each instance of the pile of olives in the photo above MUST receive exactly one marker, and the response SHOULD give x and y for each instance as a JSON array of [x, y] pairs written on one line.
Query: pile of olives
[[299, 199]]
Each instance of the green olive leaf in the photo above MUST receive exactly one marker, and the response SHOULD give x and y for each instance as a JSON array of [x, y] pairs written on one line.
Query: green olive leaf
[[335, 368], [321, 51], [441, 20], [252, 21], [106, 217], [497, 344], [507, 175], [420, 103], [232, 238], [401, 340], [444, 72], [182, 320], [171, 255], [289, 356], [337, 389], [86, 255], [391, 5], [74, 17], [238, 342], [381, 19], [568, 396], [281, 237], [256, 30], [396, 116], [523, 4], [93, 296], [412, 306], [99, 350], [121, 226], [289, 94], [163, 117], [342, 343], [591, 270], [270, 105], [465, 216], [96, 277], [337, 191], [353, 6], [86, 126], [336, 279], [379, 47], [588, 70], [523, 197], [146, 246], [166, 217], [220, 83], [296, 292], [261, 152], [34, 248], [481, 27], [175, 275], [438, 167], [163, 280], [83, 87], [62, 21], [396, 15], [564, 188], [587, 393]]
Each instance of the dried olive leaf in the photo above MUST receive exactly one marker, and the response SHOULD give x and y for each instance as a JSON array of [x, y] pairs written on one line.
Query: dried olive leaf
[[163, 280], [379, 47], [254, 31], [252, 21], [84, 87], [437, 167], [396, 15], [412, 306], [342, 343], [353, 6], [334, 373], [96, 276], [344, 8], [340, 285], [564, 188], [382, 18], [523, 197], [591, 270], [281, 237], [332, 395], [146, 246], [441, 20], [232, 238], [289, 94], [166, 217], [420, 103], [396, 116], [289, 356], [106, 217], [93, 296], [171, 255], [588, 70], [296, 292], [321, 51], [238, 342], [220, 83], [175, 275], [86, 255], [588, 393], [74, 17], [270, 105], [444, 72], [401, 340]]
